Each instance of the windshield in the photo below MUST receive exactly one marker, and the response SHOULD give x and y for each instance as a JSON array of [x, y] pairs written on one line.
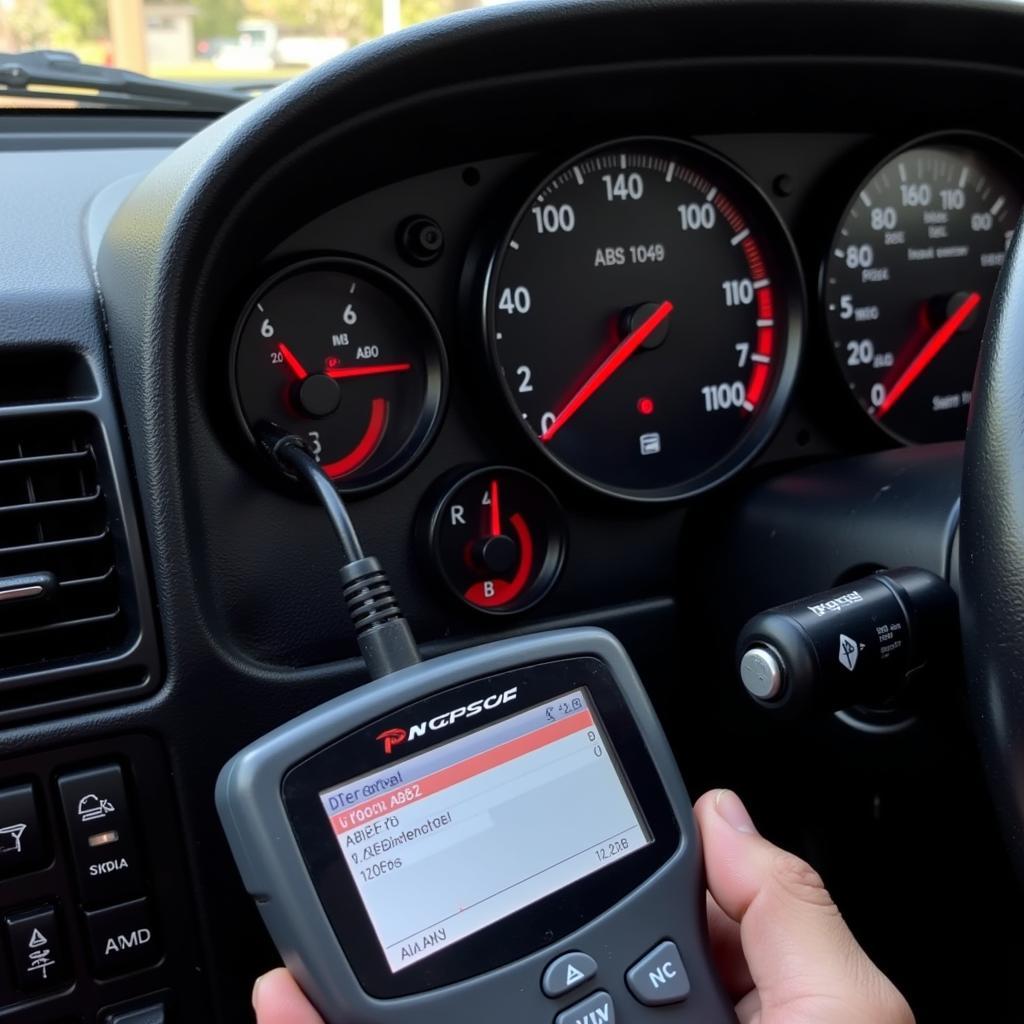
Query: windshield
[[229, 44]]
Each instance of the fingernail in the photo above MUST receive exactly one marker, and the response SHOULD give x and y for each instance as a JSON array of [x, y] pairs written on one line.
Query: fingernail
[[731, 808], [256, 988]]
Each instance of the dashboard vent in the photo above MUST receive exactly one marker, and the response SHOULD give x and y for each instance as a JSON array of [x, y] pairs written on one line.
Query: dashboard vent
[[60, 587]]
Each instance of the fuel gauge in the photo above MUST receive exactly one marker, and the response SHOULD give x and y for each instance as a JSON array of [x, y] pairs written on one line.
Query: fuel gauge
[[497, 538]]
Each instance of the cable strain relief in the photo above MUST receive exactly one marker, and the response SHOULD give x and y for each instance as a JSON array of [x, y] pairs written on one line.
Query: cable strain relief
[[368, 594], [384, 637]]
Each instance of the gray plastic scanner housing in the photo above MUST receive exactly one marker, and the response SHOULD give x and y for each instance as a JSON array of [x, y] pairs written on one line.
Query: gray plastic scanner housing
[[669, 904]]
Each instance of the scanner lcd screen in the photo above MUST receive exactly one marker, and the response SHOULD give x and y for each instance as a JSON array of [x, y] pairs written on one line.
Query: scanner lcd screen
[[444, 843]]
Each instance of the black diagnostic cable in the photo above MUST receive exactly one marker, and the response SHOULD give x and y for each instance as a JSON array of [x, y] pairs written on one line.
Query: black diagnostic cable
[[385, 639]]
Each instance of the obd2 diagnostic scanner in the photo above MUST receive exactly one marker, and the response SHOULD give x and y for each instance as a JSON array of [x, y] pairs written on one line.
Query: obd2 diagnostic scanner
[[501, 833]]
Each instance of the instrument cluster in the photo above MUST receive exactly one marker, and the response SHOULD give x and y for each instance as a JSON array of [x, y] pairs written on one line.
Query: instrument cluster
[[641, 313]]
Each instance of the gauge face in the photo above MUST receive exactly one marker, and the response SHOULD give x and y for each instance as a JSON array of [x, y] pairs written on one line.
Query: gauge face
[[644, 316], [346, 356], [909, 281], [497, 538]]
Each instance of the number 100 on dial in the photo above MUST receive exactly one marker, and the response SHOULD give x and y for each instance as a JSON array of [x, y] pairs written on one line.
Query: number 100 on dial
[[643, 314]]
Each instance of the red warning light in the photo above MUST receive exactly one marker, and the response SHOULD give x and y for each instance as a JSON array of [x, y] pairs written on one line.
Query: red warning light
[[645, 406], [332, 362]]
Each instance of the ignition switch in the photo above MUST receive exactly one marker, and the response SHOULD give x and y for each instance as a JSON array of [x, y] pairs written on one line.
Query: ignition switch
[[863, 643]]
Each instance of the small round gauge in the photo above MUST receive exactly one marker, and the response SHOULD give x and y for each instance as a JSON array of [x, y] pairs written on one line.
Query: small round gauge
[[344, 354], [497, 538], [910, 277], [644, 314]]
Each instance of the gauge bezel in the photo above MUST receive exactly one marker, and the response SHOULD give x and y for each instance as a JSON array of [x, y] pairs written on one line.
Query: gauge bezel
[[554, 557], [792, 291], [436, 363], [987, 145]]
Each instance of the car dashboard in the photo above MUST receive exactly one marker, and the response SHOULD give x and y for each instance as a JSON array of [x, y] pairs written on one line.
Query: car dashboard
[[753, 213]]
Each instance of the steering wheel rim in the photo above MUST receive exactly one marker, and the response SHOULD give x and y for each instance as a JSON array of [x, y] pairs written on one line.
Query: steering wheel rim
[[992, 551]]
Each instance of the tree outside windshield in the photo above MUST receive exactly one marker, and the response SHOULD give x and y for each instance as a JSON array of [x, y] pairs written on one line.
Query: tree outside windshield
[[209, 41]]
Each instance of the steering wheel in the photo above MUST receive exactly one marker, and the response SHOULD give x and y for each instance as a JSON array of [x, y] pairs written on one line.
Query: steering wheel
[[992, 550]]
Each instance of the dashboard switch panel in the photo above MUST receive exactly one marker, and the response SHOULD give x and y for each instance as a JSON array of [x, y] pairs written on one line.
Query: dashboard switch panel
[[102, 835], [40, 961], [70, 952]]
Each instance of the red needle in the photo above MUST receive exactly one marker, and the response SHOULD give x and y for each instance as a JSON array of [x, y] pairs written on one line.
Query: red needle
[[367, 371], [289, 357], [615, 359], [495, 512], [935, 344]]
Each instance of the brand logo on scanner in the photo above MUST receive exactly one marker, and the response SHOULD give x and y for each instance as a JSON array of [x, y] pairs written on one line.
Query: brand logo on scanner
[[392, 738]]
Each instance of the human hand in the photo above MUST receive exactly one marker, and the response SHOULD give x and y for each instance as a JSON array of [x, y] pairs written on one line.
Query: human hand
[[780, 945], [778, 941]]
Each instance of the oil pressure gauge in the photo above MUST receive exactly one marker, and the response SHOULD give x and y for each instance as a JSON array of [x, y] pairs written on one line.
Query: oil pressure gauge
[[496, 538]]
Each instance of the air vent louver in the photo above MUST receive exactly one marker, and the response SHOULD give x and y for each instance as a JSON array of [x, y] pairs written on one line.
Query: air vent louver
[[55, 526]]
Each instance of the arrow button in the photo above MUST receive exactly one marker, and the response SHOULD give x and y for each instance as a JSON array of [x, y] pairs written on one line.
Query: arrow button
[[569, 971]]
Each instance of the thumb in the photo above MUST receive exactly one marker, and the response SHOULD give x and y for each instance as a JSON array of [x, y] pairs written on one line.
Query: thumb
[[805, 963], [277, 999]]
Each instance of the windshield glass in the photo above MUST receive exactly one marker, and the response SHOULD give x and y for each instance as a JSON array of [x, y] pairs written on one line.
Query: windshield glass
[[230, 44]]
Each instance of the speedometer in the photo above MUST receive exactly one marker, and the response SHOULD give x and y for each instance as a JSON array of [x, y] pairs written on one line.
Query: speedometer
[[644, 313], [910, 277]]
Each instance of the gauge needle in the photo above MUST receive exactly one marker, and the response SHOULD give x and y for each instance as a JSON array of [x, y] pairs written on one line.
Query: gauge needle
[[368, 371], [600, 376], [289, 357], [495, 511], [935, 344]]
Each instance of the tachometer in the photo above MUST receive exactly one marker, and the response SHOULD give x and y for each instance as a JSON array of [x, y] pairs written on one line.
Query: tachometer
[[909, 279], [344, 354], [644, 315]]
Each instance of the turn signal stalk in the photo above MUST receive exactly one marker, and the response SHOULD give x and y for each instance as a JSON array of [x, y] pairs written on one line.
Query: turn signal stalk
[[864, 643]]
